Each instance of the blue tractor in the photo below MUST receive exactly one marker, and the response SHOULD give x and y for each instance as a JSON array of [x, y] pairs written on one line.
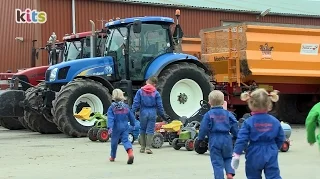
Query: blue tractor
[[135, 49]]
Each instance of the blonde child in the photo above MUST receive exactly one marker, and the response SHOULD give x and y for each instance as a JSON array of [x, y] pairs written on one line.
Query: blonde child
[[217, 123], [118, 116], [264, 134]]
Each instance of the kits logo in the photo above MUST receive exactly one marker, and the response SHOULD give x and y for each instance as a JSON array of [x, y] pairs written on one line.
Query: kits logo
[[30, 16]]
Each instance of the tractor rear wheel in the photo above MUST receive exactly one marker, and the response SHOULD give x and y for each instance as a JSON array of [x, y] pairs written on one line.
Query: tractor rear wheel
[[35, 120], [72, 98], [11, 123], [182, 86]]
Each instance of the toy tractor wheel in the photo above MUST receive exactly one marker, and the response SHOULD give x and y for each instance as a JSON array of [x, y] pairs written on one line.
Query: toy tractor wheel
[[103, 135], [92, 135], [285, 147], [175, 144], [158, 140], [198, 148], [189, 144]]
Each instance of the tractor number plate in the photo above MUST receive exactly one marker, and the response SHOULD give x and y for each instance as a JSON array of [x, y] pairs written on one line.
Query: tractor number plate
[[162, 130]]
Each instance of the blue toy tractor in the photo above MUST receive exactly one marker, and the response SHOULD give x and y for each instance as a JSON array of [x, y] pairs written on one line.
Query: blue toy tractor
[[135, 49]]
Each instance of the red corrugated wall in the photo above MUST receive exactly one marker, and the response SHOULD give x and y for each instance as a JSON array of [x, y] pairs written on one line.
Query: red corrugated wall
[[15, 54], [192, 20], [18, 55]]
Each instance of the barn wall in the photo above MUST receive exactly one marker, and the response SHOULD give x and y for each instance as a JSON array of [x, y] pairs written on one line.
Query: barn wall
[[15, 54], [192, 20]]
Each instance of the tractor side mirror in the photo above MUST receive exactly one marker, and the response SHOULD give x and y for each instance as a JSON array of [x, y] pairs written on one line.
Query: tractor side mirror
[[178, 33], [136, 26], [88, 42]]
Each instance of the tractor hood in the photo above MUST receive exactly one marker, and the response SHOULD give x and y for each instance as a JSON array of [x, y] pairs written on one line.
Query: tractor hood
[[32, 70], [67, 71]]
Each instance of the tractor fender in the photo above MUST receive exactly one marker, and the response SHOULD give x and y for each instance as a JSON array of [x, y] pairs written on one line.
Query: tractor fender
[[161, 62], [99, 79]]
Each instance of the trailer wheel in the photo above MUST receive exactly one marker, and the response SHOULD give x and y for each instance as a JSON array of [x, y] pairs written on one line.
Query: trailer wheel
[[35, 120], [288, 108], [72, 98], [11, 123], [182, 86]]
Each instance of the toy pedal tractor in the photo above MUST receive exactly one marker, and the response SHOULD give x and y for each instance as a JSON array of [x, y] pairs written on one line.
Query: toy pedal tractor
[[99, 130], [187, 136], [167, 133], [287, 131]]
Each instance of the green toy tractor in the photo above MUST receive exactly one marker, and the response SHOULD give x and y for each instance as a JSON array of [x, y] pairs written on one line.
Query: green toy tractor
[[187, 136], [99, 130]]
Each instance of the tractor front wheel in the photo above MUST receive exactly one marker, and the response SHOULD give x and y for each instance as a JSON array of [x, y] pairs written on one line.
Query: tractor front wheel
[[11, 123], [72, 98], [198, 148], [182, 86], [35, 120], [285, 147]]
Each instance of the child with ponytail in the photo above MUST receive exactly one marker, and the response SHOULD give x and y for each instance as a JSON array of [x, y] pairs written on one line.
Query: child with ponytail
[[264, 134]]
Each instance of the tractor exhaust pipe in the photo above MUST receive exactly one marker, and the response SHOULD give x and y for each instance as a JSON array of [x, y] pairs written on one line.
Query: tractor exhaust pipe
[[93, 40]]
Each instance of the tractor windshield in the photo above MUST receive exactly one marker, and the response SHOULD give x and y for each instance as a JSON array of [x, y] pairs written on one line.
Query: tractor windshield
[[72, 50]]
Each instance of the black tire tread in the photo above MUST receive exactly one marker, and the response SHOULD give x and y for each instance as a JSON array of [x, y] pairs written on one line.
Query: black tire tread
[[36, 121], [11, 123]]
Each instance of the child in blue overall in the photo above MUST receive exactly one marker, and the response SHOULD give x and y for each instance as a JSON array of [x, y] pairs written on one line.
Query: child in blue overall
[[264, 134], [217, 123], [118, 116], [149, 101]]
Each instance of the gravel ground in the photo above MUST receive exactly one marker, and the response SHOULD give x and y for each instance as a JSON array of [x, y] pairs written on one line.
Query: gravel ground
[[25, 154]]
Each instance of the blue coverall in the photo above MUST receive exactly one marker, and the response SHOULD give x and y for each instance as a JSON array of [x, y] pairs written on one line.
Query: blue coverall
[[265, 136], [217, 123], [118, 116], [149, 101]]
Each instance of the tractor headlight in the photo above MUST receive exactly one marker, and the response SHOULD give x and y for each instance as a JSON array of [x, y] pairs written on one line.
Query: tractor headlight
[[53, 74]]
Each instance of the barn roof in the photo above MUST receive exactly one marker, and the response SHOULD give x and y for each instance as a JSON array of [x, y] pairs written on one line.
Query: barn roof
[[302, 8]]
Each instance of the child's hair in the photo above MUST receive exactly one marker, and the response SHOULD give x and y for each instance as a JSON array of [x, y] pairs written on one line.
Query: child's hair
[[260, 99], [118, 95], [153, 80], [216, 98]]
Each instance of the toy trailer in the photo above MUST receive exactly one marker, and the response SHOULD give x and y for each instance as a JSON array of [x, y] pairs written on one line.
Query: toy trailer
[[271, 56]]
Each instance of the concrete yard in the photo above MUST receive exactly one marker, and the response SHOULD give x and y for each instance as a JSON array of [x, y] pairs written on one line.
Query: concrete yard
[[25, 154]]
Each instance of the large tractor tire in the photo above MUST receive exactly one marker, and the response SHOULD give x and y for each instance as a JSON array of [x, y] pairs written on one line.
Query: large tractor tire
[[11, 123], [36, 121], [294, 109], [25, 124], [72, 98], [182, 86]]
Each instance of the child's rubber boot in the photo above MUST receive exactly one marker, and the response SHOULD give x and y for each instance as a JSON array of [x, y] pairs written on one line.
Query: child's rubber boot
[[229, 176], [142, 143], [111, 159], [130, 156], [149, 142]]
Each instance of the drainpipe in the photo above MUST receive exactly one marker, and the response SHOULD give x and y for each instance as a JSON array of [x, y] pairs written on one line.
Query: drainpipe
[[73, 16]]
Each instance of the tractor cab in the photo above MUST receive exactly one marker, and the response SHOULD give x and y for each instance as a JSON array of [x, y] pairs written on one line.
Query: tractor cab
[[77, 46], [134, 43]]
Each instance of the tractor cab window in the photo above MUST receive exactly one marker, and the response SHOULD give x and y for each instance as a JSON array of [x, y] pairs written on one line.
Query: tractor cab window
[[72, 50], [151, 42], [115, 44]]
